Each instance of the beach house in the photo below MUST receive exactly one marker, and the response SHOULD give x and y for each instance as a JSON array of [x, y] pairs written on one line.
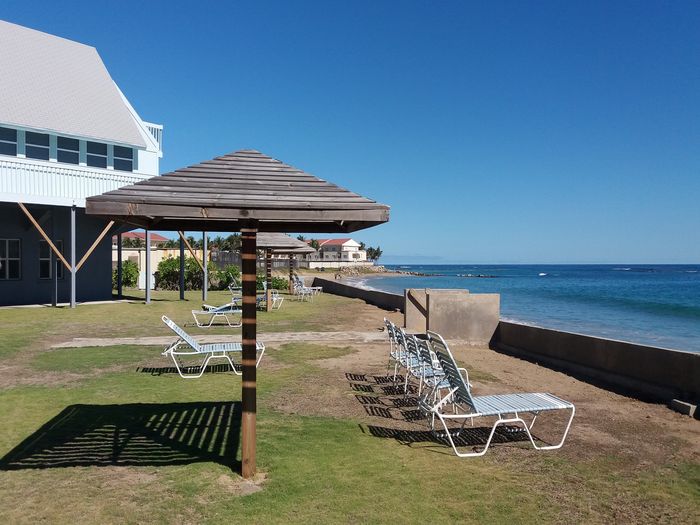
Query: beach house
[[66, 132], [336, 253]]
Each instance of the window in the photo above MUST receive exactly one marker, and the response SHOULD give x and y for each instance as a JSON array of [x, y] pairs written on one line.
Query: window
[[123, 158], [46, 264], [96, 155], [37, 146], [8, 141], [10, 259], [68, 150]]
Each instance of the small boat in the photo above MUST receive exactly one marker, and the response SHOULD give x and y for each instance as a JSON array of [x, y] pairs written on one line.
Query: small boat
[[541, 274]]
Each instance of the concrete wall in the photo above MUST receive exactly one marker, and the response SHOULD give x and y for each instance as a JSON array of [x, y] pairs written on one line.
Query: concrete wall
[[388, 301], [457, 314], [94, 281], [655, 372], [415, 315]]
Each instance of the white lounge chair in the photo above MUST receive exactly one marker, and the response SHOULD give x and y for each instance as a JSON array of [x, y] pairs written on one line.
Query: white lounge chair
[[206, 316], [186, 345], [507, 408]]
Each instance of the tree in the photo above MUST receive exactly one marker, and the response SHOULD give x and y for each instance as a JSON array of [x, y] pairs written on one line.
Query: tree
[[314, 244], [374, 253], [301, 238], [363, 246]]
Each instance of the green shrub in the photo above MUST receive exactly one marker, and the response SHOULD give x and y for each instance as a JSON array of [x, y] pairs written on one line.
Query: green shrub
[[230, 274], [168, 275], [278, 283], [130, 275]]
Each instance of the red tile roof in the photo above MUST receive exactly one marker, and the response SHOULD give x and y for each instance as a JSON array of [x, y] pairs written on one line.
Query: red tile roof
[[331, 242], [141, 235]]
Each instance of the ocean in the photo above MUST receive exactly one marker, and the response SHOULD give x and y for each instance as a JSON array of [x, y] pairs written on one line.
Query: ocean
[[657, 305]]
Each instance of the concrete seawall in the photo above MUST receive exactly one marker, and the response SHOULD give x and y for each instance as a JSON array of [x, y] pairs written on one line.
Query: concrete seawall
[[644, 371], [385, 300], [653, 372]]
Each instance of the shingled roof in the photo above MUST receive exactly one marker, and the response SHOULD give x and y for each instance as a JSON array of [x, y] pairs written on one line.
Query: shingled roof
[[239, 189]]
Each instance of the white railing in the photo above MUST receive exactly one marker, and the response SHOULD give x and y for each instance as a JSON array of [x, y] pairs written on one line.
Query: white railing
[[43, 182], [157, 132]]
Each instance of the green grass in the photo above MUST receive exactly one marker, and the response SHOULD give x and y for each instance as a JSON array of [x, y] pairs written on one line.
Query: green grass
[[95, 408]]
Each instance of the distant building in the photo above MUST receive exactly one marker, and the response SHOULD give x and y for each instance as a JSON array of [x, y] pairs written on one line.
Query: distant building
[[335, 253], [66, 132]]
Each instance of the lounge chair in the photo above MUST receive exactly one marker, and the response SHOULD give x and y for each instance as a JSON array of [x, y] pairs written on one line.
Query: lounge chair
[[507, 408], [186, 345], [210, 313]]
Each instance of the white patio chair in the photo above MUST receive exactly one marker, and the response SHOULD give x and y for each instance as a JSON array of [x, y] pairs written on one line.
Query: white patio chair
[[186, 345], [507, 408], [206, 316]]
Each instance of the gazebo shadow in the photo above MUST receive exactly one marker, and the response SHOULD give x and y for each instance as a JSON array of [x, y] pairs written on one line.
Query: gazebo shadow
[[147, 434]]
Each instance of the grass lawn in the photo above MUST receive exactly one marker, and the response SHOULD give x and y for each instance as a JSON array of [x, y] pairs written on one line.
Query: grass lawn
[[111, 435]]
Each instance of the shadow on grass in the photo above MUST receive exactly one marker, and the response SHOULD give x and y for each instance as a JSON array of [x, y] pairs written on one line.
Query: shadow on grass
[[384, 397], [219, 368], [133, 435]]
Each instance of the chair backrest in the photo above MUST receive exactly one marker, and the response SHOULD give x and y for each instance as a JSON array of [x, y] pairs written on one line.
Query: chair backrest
[[183, 335], [411, 345], [423, 350], [447, 361]]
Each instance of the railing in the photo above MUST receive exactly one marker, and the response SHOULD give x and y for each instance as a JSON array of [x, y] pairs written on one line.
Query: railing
[[43, 182], [157, 132]]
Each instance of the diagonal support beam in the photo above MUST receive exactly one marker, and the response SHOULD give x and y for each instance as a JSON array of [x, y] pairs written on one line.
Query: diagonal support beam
[[94, 245], [189, 247], [46, 237]]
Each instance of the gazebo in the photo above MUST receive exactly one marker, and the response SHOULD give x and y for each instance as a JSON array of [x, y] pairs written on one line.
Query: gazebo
[[280, 244], [249, 192]]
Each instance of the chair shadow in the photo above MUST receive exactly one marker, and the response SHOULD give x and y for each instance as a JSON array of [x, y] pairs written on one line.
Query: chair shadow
[[219, 368], [383, 397], [137, 434]]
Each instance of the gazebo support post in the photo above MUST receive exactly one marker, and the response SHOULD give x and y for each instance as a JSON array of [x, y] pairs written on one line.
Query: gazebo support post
[[148, 267], [248, 395], [120, 270], [268, 278], [182, 269], [205, 267], [291, 274]]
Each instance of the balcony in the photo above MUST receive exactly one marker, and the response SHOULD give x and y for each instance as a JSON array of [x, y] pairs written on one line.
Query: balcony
[[157, 131], [41, 182]]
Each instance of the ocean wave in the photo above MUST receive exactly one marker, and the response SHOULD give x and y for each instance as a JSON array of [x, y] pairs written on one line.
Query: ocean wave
[[621, 269]]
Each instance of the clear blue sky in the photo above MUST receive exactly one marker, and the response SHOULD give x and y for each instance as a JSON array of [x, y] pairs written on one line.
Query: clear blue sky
[[497, 131]]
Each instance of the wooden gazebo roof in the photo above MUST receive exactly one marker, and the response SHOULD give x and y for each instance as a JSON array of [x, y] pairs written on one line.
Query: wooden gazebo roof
[[232, 191], [282, 243]]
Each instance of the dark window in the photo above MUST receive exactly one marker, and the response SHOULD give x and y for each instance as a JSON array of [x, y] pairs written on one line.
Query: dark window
[[123, 158], [8, 141], [10, 259], [96, 154], [37, 146], [97, 148], [68, 150], [47, 260], [123, 153]]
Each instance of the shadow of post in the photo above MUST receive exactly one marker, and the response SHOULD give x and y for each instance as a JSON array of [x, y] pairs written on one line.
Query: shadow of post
[[139, 434]]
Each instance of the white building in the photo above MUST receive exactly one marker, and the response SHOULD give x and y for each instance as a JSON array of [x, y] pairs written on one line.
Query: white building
[[336, 253], [66, 132]]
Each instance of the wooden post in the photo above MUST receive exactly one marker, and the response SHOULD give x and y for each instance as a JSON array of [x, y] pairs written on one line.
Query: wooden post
[[268, 278], [291, 274], [72, 257], [182, 268], [248, 395], [205, 267], [120, 270], [148, 267]]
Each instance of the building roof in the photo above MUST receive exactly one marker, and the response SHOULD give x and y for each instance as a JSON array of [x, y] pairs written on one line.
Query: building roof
[[238, 190], [52, 84], [333, 242], [141, 235]]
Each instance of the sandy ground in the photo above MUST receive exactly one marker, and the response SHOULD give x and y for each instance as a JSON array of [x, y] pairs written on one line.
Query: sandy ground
[[356, 386]]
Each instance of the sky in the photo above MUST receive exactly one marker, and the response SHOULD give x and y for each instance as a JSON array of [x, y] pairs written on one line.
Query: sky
[[498, 132]]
